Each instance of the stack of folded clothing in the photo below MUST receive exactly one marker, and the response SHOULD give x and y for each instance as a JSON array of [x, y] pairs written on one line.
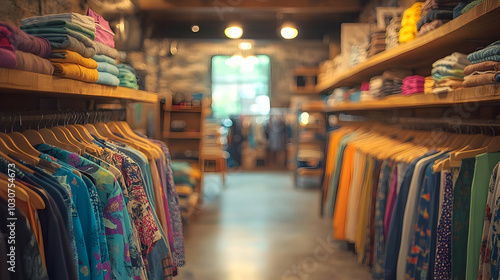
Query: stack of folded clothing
[[412, 85], [106, 53], [72, 37], [375, 86], [485, 67], [428, 85], [377, 42], [411, 16], [30, 52], [448, 72], [72, 65], [337, 96], [392, 33], [127, 76], [365, 92], [393, 81], [434, 14], [70, 31], [354, 94]]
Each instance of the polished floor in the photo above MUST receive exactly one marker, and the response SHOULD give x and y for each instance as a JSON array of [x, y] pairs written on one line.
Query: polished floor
[[261, 228]]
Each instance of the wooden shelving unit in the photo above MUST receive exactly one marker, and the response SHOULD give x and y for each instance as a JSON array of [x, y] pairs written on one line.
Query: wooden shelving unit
[[466, 33], [12, 80], [482, 94], [186, 145], [182, 135]]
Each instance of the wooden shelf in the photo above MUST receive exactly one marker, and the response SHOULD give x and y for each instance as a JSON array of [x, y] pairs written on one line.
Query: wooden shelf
[[187, 110], [305, 91], [182, 135], [484, 94], [309, 172], [12, 80], [474, 29]]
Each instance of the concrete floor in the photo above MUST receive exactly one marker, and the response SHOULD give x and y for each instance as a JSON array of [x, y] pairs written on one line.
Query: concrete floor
[[261, 228]]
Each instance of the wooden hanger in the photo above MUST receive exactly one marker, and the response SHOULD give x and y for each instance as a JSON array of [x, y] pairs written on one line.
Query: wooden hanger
[[89, 145], [84, 132], [35, 199], [51, 139], [61, 136], [124, 129], [4, 190], [26, 152], [18, 165], [91, 128], [33, 137]]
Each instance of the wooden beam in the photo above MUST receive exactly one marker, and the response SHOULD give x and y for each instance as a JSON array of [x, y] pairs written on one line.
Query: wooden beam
[[281, 6]]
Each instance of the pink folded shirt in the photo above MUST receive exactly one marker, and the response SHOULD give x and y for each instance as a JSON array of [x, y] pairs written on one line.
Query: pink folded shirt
[[103, 33], [7, 54]]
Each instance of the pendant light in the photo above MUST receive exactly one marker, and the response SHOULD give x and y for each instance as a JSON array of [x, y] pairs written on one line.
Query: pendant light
[[233, 31], [289, 31]]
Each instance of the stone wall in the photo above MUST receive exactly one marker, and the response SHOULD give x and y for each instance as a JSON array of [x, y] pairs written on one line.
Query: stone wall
[[14, 10], [189, 70]]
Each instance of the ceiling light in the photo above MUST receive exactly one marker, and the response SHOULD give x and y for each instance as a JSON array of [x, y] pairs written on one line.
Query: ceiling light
[[195, 28], [288, 31], [245, 46], [233, 32]]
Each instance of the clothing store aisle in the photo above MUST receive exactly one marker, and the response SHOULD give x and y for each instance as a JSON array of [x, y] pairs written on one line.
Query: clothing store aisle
[[261, 228]]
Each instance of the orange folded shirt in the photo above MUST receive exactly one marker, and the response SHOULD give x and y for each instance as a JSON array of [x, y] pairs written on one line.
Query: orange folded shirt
[[76, 72], [72, 57]]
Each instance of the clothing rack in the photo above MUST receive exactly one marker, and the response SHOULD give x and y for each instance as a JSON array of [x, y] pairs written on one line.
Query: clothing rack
[[19, 121]]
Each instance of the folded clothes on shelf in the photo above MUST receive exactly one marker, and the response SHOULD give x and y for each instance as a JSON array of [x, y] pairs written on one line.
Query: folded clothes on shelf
[[489, 53], [33, 63], [413, 84], [429, 84], [482, 66], [434, 15], [27, 43], [104, 34], [409, 21], [75, 72], [439, 5], [67, 56], [428, 27], [81, 20], [127, 76], [7, 51], [59, 26], [108, 79]]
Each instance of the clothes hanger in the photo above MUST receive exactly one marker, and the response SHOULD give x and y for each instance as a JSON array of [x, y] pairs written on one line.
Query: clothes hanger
[[18, 165], [33, 136], [127, 131], [35, 199], [8, 146], [103, 129], [25, 151]]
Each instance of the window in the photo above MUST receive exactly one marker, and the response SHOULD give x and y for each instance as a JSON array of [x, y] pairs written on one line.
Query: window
[[240, 86]]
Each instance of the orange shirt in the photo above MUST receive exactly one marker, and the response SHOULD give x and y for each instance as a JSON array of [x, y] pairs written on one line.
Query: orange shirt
[[339, 216]]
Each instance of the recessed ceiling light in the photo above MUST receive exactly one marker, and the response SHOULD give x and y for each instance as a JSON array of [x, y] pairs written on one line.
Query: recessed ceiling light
[[195, 28], [233, 32], [245, 46], [288, 31]]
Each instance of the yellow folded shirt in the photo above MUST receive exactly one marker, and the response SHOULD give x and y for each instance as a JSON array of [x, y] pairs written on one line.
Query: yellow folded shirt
[[412, 14], [74, 57], [407, 33], [76, 72]]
